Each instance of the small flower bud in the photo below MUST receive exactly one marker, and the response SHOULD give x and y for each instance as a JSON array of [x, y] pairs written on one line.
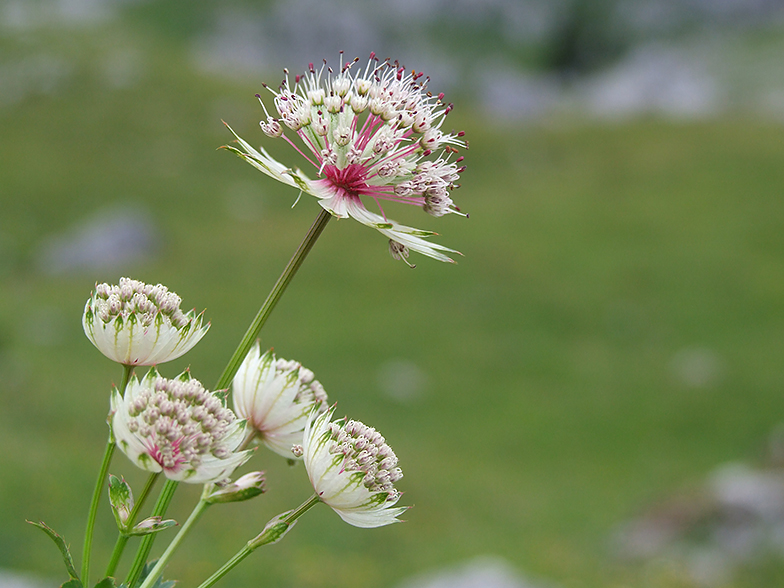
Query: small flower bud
[[121, 500], [151, 525], [244, 488]]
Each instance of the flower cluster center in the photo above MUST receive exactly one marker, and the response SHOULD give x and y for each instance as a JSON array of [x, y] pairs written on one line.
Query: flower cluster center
[[365, 450], [180, 422], [350, 179], [143, 301], [310, 389]]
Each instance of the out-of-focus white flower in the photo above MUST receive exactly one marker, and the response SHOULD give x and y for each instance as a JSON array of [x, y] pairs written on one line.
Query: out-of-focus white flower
[[352, 470], [276, 396], [178, 428], [372, 134], [134, 323]]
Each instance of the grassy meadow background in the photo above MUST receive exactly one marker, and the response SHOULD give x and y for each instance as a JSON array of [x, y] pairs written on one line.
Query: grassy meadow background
[[542, 402]]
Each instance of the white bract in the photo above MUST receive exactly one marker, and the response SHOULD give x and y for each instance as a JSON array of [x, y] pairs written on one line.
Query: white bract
[[134, 323], [352, 470], [276, 396], [372, 134], [178, 428]]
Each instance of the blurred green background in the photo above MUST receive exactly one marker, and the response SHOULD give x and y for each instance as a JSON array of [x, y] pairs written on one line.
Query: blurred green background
[[611, 338]]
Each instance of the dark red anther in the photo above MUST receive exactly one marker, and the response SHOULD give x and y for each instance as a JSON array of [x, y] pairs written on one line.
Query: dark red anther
[[372, 55], [427, 152], [258, 95], [310, 67], [461, 133], [296, 79], [459, 159], [441, 96]]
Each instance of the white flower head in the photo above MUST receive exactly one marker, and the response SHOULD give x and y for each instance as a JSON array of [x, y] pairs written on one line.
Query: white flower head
[[352, 470], [134, 323], [372, 134], [276, 396], [178, 428]]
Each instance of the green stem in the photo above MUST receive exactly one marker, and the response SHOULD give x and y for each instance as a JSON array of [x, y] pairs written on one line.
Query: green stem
[[99, 484], [272, 299], [167, 493], [272, 533], [122, 539], [199, 510]]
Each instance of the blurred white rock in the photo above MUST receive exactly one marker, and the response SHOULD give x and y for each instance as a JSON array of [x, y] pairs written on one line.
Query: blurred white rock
[[481, 572], [402, 380], [110, 239], [697, 367]]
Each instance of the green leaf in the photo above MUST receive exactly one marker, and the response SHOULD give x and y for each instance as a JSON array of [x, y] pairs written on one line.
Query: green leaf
[[159, 583], [60, 542], [72, 583], [107, 582]]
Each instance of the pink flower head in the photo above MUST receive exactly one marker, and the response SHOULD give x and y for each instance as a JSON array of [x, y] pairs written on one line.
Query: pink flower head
[[371, 134]]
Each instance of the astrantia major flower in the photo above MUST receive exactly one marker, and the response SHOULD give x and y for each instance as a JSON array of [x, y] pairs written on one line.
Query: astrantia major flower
[[352, 470], [276, 396], [372, 134], [178, 428], [134, 323]]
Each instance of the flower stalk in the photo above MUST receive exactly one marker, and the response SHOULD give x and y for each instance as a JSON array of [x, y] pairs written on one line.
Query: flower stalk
[[104, 470], [165, 498], [195, 515], [272, 299], [273, 532]]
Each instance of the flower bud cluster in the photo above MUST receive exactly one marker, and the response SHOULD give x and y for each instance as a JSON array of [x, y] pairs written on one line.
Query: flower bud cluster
[[352, 470], [146, 302], [365, 450], [276, 396], [178, 427], [134, 323], [182, 419], [309, 390]]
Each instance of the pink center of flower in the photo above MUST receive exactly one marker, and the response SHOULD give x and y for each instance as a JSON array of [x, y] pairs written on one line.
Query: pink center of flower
[[350, 180], [173, 461]]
